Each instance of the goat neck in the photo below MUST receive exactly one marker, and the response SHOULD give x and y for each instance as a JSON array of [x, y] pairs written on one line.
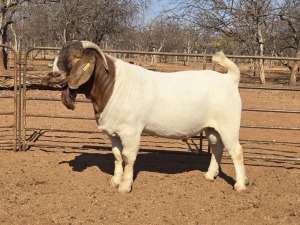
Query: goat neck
[[103, 85]]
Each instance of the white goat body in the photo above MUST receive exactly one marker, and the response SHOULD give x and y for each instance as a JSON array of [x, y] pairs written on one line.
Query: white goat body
[[173, 105], [129, 100]]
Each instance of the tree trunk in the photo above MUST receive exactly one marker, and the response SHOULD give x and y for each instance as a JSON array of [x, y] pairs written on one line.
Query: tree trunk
[[154, 57], [3, 37], [16, 43], [294, 72], [3, 58], [262, 71], [261, 53]]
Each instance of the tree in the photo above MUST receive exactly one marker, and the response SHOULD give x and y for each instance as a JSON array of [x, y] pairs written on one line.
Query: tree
[[246, 22], [91, 20], [8, 9], [65, 20], [290, 35]]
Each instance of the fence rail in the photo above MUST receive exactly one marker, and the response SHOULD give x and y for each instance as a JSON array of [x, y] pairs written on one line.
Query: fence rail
[[22, 116]]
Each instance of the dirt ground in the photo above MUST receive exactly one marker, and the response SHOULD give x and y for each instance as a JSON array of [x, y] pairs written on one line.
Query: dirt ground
[[64, 176]]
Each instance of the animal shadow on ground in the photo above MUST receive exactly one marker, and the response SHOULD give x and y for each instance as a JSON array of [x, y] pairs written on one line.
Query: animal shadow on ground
[[152, 162]]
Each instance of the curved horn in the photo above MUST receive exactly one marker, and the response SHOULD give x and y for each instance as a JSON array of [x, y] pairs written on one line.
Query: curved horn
[[88, 44]]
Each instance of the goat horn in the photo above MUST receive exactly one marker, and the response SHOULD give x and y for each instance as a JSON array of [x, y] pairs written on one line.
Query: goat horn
[[88, 44]]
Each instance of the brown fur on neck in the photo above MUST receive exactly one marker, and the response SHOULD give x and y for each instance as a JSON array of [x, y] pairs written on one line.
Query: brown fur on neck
[[103, 84]]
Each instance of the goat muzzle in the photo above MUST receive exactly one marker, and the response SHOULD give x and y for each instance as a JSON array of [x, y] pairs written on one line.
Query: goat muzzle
[[52, 79]]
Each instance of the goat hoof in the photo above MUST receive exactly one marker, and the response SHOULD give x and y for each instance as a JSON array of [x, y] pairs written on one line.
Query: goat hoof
[[240, 187], [209, 176], [114, 182], [125, 186], [124, 189]]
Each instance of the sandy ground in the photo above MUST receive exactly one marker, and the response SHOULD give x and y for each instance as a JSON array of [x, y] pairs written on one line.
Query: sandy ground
[[68, 182]]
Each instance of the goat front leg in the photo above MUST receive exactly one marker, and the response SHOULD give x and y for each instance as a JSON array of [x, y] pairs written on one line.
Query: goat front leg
[[117, 151], [129, 154]]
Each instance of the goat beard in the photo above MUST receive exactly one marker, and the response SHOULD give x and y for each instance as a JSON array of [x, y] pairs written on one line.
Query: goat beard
[[68, 97]]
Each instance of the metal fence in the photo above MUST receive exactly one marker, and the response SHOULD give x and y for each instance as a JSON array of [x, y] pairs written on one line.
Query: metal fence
[[10, 111], [63, 130]]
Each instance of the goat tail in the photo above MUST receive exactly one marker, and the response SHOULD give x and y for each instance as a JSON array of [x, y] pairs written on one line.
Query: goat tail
[[233, 70]]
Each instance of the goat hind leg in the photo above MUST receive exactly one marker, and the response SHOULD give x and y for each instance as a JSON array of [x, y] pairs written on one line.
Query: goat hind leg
[[238, 162], [217, 152]]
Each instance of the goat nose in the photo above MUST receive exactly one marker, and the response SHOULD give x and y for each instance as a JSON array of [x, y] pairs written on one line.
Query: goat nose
[[56, 74]]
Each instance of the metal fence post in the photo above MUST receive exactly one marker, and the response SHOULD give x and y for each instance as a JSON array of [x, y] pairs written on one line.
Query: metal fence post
[[15, 140]]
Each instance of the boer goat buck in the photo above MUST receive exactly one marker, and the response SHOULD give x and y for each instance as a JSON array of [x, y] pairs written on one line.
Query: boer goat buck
[[129, 100]]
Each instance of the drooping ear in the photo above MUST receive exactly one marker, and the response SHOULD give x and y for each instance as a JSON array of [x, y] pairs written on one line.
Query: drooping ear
[[82, 71]]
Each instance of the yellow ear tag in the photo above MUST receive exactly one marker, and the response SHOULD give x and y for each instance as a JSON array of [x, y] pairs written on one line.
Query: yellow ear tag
[[86, 67]]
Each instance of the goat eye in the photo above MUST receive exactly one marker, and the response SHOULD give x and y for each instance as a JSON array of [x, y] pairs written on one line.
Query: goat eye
[[74, 61]]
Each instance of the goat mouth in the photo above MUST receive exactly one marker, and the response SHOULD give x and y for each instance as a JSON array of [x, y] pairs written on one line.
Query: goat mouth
[[63, 86], [64, 82]]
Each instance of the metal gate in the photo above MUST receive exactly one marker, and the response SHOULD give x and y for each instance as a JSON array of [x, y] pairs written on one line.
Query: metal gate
[[10, 104]]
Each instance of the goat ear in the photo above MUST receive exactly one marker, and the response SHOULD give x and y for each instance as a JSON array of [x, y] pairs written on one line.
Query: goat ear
[[82, 71]]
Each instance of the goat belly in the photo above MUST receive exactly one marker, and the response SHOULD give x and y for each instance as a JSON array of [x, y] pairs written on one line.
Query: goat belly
[[179, 117], [182, 127], [174, 134]]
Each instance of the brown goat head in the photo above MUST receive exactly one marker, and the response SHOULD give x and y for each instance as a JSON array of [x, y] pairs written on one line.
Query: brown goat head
[[74, 70], [69, 61]]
